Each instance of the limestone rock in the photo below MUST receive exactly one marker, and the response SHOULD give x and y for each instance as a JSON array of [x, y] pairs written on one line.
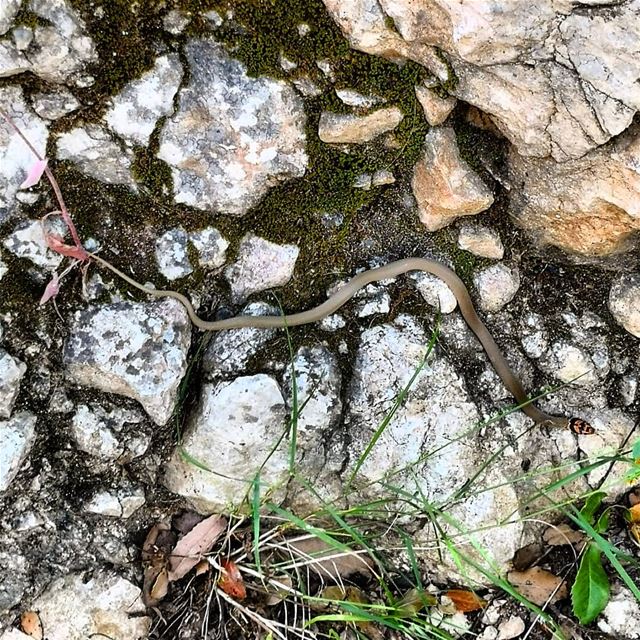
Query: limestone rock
[[232, 432], [624, 302], [242, 147], [95, 152], [621, 616], [436, 108], [588, 206], [8, 11], [15, 157], [11, 373], [435, 292], [17, 436], [481, 241], [351, 129], [134, 112], [444, 185], [75, 608], [52, 106], [260, 265], [27, 241], [497, 285], [555, 81], [229, 351], [132, 349]]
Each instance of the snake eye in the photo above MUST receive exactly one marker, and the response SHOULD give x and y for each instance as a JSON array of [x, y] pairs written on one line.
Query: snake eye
[[581, 427]]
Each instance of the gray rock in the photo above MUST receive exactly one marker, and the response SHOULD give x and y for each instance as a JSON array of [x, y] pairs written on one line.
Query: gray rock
[[211, 247], [232, 433], [354, 99], [63, 49], [497, 285], [621, 616], [11, 373], [8, 11], [15, 157], [17, 436], [624, 302], [444, 185], [628, 389], [250, 134], [119, 504], [481, 241], [3, 271], [175, 22], [534, 336], [318, 384], [81, 606], [12, 590], [96, 153], [261, 265], [435, 292], [171, 254], [230, 351], [22, 37], [134, 112], [132, 349], [104, 433], [27, 241], [12, 61], [338, 128], [52, 106]]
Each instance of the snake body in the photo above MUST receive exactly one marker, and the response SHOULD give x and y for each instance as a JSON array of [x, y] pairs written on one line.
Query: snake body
[[345, 293]]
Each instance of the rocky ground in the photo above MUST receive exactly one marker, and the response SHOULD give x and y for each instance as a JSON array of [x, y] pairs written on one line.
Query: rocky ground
[[254, 156]]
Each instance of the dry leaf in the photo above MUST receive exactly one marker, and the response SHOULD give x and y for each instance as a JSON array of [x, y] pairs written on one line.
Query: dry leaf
[[31, 624], [561, 535], [231, 581], [191, 547], [329, 561], [537, 585], [526, 556], [159, 588], [203, 567], [414, 601], [465, 601], [634, 513], [155, 551]]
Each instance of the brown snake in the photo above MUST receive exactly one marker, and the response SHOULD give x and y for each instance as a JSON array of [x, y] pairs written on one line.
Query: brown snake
[[345, 293]]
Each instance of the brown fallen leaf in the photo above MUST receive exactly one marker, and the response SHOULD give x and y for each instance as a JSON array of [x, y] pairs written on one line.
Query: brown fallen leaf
[[526, 556], [465, 601], [329, 561], [231, 581], [31, 624], [202, 567], [193, 545], [538, 585], [561, 535], [155, 553]]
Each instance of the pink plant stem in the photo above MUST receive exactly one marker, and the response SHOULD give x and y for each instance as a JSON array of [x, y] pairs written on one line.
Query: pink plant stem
[[54, 184]]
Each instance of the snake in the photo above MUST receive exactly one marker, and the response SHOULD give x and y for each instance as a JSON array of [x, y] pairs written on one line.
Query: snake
[[348, 290]]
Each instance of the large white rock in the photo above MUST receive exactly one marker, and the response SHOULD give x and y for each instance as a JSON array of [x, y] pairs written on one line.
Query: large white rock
[[77, 607], [261, 265], [133, 349], [225, 152], [229, 440]]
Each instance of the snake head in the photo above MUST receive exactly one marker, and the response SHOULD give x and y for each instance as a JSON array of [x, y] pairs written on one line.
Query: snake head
[[580, 426]]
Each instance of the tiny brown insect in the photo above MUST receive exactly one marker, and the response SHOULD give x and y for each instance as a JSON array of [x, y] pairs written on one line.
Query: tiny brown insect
[[581, 427]]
